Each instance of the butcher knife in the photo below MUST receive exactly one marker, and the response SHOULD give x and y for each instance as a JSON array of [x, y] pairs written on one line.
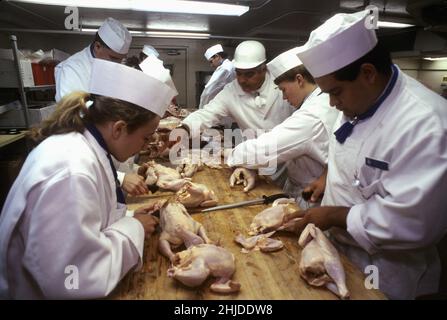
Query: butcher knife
[[264, 200]]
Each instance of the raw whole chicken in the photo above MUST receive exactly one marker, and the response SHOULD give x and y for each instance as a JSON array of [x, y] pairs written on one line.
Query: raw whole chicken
[[189, 166], [272, 218], [178, 228], [193, 195], [261, 242], [164, 177], [193, 266], [320, 263]]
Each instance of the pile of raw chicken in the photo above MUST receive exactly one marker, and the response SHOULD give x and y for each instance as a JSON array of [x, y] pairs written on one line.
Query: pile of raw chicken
[[202, 258], [320, 263]]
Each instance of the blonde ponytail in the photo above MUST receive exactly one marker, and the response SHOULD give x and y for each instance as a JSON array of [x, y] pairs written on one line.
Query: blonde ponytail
[[66, 118]]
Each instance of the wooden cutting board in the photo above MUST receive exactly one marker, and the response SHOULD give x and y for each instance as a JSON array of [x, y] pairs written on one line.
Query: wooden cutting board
[[261, 275]]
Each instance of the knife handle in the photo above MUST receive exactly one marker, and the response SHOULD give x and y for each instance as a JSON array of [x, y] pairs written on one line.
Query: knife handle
[[273, 197]]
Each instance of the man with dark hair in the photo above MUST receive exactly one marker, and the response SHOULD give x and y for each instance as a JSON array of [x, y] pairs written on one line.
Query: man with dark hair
[[223, 74], [384, 189], [253, 101], [112, 42], [302, 139]]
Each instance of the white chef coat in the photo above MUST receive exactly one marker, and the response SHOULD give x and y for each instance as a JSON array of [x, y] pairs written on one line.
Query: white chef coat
[[397, 215], [302, 141], [241, 106], [73, 74], [222, 75], [62, 211]]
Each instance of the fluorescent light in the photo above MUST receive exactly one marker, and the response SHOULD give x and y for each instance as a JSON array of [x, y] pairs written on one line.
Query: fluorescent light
[[435, 59], [166, 34], [387, 24], [172, 6]]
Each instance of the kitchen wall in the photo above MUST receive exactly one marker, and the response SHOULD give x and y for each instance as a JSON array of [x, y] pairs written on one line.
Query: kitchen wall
[[429, 73]]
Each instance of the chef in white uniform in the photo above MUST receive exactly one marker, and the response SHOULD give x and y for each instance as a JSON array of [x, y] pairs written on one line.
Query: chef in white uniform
[[252, 100], [63, 231], [384, 194], [223, 74], [112, 42], [302, 139]]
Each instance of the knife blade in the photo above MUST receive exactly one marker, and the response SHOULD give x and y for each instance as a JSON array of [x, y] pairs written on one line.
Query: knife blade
[[265, 200]]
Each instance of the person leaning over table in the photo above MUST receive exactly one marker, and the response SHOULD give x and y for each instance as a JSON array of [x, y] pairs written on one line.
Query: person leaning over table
[[384, 190], [301, 140], [111, 43], [65, 210], [252, 99]]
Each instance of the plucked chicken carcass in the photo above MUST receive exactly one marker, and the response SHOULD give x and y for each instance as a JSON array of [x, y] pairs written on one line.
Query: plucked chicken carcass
[[189, 166], [193, 266], [178, 228], [320, 263], [193, 195], [164, 177], [261, 242], [272, 218]]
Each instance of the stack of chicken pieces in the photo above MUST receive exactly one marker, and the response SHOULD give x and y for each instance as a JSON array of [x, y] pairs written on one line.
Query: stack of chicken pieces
[[201, 258], [320, 263]]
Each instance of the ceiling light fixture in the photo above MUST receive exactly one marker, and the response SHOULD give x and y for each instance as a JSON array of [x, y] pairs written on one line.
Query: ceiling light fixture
[[435, 59], [388, 24], [172, 6]]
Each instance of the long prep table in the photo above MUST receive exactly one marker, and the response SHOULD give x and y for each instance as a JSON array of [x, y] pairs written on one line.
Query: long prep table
[[261, 275]]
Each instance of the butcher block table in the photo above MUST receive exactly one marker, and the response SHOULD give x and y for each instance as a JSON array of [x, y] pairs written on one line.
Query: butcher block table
[[263, 276]]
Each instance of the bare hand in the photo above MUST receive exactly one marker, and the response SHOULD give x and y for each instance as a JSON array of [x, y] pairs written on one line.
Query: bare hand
[[243, 176], [316, 188], [144, 215], [322, 217], [134, 184]]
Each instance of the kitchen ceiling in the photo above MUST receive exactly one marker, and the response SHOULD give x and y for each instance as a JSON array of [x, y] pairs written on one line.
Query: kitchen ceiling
[[274, 20]]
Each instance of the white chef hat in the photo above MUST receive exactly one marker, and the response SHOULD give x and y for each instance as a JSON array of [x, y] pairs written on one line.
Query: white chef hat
[[115, 35], [154, 67], [150, 50], [284, 62], [339, 41], [125, 83], [212, 51]]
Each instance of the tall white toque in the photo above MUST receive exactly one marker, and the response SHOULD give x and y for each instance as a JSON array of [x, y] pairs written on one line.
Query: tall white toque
[[118, 81], [115, 35], [212, 51], [339, 41], [284, 62]]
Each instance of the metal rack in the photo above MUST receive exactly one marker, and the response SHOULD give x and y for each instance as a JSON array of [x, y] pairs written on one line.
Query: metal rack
[[21, 87]]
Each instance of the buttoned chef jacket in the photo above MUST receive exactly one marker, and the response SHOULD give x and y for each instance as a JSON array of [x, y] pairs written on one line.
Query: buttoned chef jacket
[[221, 76], [392, 172], [61, 219], [301, 141]]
